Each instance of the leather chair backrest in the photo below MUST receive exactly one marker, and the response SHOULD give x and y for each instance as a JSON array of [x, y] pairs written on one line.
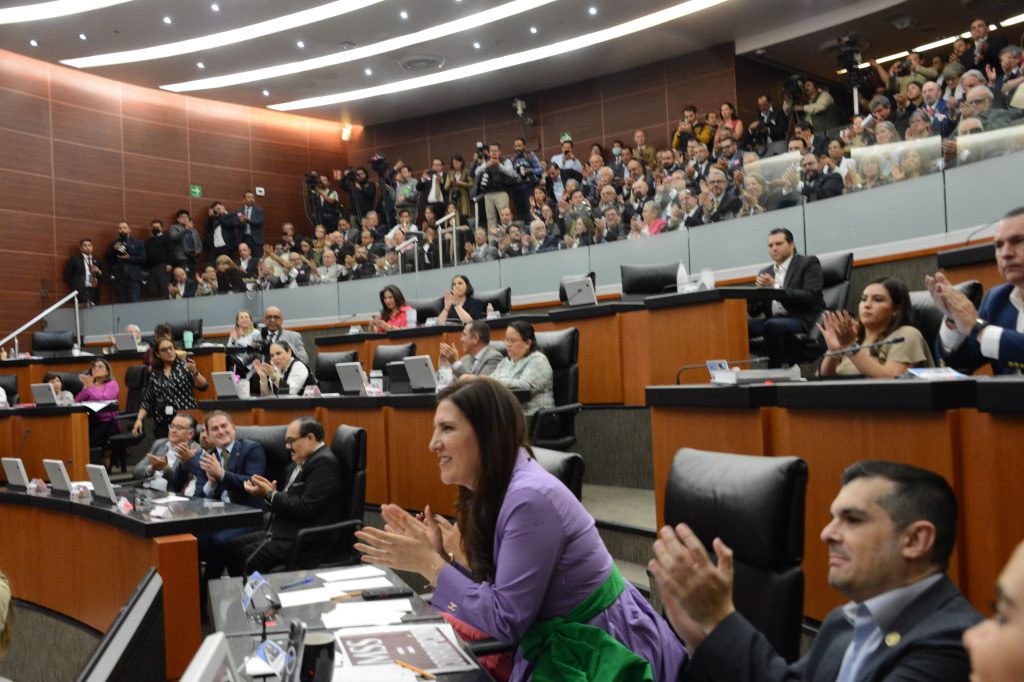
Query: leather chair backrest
[[426, 307], [500, 299], [9, 382], [349, 446], [566, 278], [272, 440], [927, 317], [69, 381], [567, 467], [135, 379], [326, 374], [756, 506], [500, 347], [384, 354], [562, 349], [836, 272], [49, 344], [178, 328], [640, 281]]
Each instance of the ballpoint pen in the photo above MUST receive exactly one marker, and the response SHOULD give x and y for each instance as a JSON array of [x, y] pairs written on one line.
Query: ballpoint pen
[[299, 583]]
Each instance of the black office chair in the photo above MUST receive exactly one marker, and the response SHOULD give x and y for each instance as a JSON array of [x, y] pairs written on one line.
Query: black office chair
[[9, 382], [52, 344], [555, 428], [568, 278], [928, 318], [426, 307], [777, 147], [756, 506], [349, 446], [135, 380], [69, 381], [567, 467], [384, 354], [178, 329], [500, 299], [272, 440], [326, 374], [641, 281]]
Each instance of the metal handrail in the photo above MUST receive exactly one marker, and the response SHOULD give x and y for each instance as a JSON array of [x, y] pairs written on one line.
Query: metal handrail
[[78, 325]]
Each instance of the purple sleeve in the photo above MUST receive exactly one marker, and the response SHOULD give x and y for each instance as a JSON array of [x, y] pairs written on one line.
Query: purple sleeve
[[108, 391], [529, 544]]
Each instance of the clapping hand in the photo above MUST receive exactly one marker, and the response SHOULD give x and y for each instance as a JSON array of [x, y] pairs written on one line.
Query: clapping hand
[[411, 548], [953, 303], [258, 486], [210, 463], [86, 379], [838, 329]]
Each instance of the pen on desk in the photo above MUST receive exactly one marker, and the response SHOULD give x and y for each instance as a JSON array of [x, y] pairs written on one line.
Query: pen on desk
[[422, 673], [299, 583]]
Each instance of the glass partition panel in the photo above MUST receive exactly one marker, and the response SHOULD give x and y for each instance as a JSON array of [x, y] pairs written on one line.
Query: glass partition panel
[[664, 247], [742, 241], [362, 296], [985, 180], [220, 311], [763, 182], [148, 314], [97, 320], [304, 303], [541, 273], [433, 283]]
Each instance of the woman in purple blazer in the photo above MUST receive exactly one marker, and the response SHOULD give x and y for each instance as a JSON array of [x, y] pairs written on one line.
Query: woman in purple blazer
[[526, 564]]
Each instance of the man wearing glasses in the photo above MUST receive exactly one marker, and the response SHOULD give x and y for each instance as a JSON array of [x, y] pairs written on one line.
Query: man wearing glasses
[[994, 333], [275, 331], [979, 105], [166, 455], [309, 496]]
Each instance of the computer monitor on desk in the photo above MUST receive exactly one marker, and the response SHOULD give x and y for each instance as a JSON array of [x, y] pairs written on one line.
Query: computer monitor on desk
[[44, 394], [14, 469], [352, 377], [580, 292], [60, 483]]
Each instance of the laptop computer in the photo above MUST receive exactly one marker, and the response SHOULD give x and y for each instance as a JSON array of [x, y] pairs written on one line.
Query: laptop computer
[[14, 469], [43, 394], [353, 379], [224, 384], [422, 378], [126, 341], [102, 488], [580, 292], [58, 475]]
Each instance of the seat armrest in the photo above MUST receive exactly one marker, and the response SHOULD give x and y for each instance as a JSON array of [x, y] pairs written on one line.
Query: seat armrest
[[126, 416], [559, 412], [308, 535]]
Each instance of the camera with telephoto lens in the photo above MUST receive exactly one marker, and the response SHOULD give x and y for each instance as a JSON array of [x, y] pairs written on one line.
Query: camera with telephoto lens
[[902, 68], [312, 179], [121, 248], [379, 163]]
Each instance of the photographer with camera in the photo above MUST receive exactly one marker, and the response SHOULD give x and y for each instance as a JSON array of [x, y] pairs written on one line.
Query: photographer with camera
[[904, 72], [819, 109], [326, 207], [431, 186], [528, 173], [221, 232], [186, 244], [494, 177], [362, 193], [126, 260]]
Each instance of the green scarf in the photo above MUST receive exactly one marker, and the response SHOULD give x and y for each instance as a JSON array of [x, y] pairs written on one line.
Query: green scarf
[[567, 649]]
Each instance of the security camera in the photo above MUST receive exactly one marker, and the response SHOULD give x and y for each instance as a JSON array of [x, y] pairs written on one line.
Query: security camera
[[519, 106]]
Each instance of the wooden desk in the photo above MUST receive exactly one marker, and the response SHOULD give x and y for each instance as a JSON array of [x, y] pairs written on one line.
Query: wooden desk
[[85, 562], [414, 479], [971, 262], [38, 433], [601, 357], [341, 343]]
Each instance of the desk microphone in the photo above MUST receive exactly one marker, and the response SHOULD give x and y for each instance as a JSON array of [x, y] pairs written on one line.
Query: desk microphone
[[972, 235], [704, 365], [855, 348], [23, 443]]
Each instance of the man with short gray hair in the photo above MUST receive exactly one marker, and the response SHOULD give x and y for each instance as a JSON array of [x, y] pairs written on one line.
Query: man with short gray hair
[[979, 105]]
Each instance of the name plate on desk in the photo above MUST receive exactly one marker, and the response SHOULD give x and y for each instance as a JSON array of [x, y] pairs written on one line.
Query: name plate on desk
[[935, 374], [737, 377]]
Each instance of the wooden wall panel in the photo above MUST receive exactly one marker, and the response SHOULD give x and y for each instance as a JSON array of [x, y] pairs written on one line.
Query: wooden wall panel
[[286, 159], [77, 199], [29, 76], [24, 113], [27, 153], [215, 117], [14, 225], [155, 106], [155, 175], [87, 164], [153, 139], [102, 130], [218, 150], [22, 192], [70, 87], [218, 183]]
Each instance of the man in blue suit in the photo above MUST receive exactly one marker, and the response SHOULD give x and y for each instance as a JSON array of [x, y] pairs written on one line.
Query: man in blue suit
[[221, 472], [126, 258], [994, 333], [250, 223]]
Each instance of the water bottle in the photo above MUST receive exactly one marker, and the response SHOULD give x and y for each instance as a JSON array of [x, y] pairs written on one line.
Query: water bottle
[[490, 312], [682, 278]]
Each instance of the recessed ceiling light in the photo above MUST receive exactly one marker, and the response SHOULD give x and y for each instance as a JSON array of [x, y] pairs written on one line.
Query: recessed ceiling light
[[368, 72], [224, 38], [533, 29], [1012, 21], [403, 14], [200, 65], [476, 46], [266, 93], [300, 45], [350, 53], [581, 42], [33, 43], [81, 36], [593, 11], [53, 9], [214, 7], [167, 20]]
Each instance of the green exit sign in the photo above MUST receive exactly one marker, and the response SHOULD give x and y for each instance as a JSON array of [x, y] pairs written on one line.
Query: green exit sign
[[196, 191]]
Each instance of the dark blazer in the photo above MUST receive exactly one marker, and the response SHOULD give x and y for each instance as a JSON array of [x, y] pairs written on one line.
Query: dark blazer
[[246, 458], [74, 272], [253, 267], [229, 227], [802, 300], [230, 281], [823, 186], [131, 267], [255, 227], [928, 648], [995, 309], [190, 288], [313, 499], [728, 207], [990, 56]]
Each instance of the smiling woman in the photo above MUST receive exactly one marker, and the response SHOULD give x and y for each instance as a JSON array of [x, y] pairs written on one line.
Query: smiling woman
[[525, 564]]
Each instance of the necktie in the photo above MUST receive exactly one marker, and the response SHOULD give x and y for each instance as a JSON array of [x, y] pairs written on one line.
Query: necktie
[[225, 456], [863, 626]]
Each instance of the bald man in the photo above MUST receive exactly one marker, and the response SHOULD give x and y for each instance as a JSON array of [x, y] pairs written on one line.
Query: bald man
[[274, 320]]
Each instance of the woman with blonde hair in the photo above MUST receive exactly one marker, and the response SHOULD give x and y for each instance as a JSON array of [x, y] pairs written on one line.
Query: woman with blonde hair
[[229, 276]]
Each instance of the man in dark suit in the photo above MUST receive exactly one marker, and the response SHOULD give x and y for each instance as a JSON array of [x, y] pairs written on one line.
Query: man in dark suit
[[222, 230], [126, 260], [83, 273], [167, 455], [479, 359], [250, 224], [801, 280], [986, 48], [246, 262], [221, 473], [716, 199], [769, 126], [994, 333], [309, 496], [817, 185], [892, 531], [181, 286]]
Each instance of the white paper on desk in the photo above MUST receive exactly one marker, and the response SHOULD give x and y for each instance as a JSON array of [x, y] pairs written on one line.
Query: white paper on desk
[[363, 613], [350, 573], [169, 499], [337, 589], [97, 405], [257, 667], [374, 673], [315, 595]]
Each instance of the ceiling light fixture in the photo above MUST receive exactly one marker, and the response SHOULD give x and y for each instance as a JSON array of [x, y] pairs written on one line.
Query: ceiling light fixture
[[368, 72], [555, 49], [52, 10], [232, 37], [1012, 21], [349, 54], [592, 11], [346, 132], [200, 65], [937, 43], [533, 29], [476, 46], [214, 7], [403, 14], [301, 45], [34, 43], [81, 36], [167, 20], [266, 93]]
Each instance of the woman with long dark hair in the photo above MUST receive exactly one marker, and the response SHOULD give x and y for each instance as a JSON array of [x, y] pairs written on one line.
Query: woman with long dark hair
[[98, 384], [459, 300], [171, 380], [885, 312], [394, 312], [284, 374], [525, 564]]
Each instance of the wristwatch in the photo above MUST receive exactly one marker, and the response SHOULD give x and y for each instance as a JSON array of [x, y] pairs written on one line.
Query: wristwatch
[[976, 328]]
